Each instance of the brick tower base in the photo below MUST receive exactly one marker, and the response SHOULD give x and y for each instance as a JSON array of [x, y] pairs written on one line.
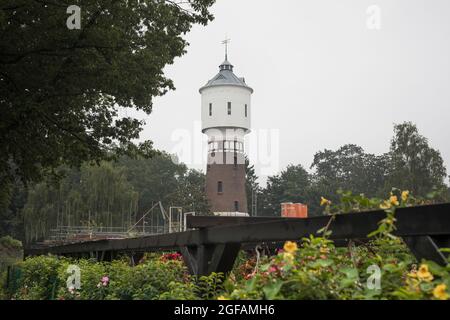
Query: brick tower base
[[231, 195]]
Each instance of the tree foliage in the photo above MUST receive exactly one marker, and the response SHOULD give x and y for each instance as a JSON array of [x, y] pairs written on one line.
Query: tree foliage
[[413, 163], [91, 196], [291, 185], [60, 89], [162, 179], [349, 168], [252, 188], [113, 195]]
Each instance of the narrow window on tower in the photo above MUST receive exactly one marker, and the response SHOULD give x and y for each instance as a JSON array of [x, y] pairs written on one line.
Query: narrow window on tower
[[229, 108], [219, 187], [236, 206], [210, 109], [235, 160], [246, 111]]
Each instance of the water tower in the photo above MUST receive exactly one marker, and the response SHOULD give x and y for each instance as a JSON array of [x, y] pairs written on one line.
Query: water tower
[[226, 114]]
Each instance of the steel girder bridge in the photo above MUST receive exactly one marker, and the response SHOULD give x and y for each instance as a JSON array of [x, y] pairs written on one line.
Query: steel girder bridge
[[214, 242]]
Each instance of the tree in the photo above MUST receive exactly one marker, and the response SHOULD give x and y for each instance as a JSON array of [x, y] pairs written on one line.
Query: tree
[[291, 185], [113, 194], [60, 89], [162, 179], [191, 192], [156, 179], [252, 188], [90, 196], [349, 168], [11, 204], [413, 164]]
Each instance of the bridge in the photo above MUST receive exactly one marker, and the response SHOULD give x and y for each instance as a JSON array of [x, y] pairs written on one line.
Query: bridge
[[214, 242]]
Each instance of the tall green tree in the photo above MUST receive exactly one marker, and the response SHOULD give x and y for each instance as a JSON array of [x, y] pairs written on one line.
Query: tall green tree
[[11, 204], [94, 195], [191, 193], [156, 178], [413, 164], [349, 168], [163, 179], [291, 185], [60, 88]]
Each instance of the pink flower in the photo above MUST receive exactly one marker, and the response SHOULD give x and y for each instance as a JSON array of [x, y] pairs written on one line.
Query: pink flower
[[273, 269], [171, 256], [105, 280]]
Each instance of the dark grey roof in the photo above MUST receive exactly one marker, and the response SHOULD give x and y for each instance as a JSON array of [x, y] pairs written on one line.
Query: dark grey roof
[[226, 77]]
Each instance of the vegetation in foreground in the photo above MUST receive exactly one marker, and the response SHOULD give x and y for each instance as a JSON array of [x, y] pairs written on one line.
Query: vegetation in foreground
[[316, 269]]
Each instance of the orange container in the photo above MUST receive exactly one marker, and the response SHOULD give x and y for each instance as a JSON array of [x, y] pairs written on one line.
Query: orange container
[[294, 210]]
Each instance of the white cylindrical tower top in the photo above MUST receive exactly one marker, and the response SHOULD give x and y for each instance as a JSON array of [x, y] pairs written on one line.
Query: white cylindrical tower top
[[226, 101]]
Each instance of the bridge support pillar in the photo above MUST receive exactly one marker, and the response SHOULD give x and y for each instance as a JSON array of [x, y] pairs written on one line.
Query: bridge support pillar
[[428, 247], [205, 259]]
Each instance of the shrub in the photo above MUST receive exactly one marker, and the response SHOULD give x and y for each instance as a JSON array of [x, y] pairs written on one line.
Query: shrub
[[11, 243], [319, 270], [39, 278], [45, 277]]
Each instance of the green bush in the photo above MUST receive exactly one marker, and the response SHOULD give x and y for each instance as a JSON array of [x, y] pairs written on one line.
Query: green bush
[[319, 270], [10, 253], [39, 278], [11, 243], [45, 277]]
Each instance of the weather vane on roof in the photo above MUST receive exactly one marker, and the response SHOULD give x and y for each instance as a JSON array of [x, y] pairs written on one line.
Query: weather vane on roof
[[226, 42]]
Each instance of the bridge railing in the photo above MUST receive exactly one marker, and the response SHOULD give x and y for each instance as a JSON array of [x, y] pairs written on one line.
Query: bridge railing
[[215, 242]]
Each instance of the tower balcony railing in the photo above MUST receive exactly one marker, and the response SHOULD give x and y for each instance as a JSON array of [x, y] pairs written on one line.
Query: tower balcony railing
[[229, 150]]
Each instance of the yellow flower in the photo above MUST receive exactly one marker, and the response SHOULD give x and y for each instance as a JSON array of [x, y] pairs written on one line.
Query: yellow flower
[[290, 246], [324, 201], [424, 274], [440, 292], [289, 257], [222, 298], [394, 201], [385, 205], [324, 250], [405, 195]]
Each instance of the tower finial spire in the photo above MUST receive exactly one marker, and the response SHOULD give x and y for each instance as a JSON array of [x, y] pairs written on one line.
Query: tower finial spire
[[225, 42]]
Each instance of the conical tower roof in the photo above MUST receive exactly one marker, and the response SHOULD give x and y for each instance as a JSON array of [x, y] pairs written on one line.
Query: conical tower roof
[[226, 77]]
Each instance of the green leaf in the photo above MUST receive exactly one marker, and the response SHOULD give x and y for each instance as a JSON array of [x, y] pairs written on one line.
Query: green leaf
[[426, 286], [390, 267], [373, 233], [436, 269], [271, 290], [351, 273], [250, 285], [347, 282], [322, 263]]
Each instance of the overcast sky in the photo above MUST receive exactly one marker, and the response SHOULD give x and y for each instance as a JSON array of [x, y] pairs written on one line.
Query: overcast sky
[[320, 75]]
